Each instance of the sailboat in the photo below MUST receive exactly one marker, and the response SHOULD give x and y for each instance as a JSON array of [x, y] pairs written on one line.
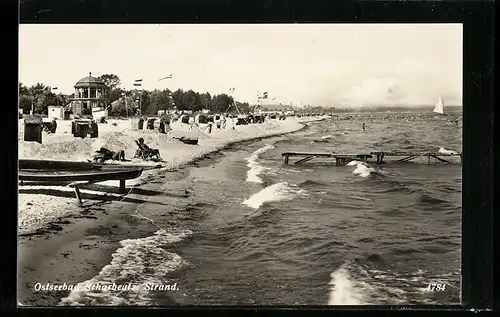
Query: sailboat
[[439, 108]]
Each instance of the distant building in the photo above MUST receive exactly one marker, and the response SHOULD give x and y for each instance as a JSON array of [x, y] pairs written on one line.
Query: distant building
[[275, 109], [90, 93]]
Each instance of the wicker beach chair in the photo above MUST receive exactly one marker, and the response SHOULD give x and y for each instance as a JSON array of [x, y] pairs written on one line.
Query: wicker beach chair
[[146, 153]]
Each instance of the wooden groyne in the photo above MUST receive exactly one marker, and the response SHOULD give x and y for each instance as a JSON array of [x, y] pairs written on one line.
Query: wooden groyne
[[372, 157]]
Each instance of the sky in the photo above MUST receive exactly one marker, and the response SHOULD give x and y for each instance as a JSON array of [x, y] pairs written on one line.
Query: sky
[[356, 65]]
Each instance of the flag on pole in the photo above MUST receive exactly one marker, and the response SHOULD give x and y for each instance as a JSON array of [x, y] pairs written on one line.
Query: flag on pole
[[166, 77], [138, 82]]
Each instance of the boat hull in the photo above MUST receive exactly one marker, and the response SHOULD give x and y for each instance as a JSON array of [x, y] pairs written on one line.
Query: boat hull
[[188, 140], [50, 165], [31, 164], [75, 175]]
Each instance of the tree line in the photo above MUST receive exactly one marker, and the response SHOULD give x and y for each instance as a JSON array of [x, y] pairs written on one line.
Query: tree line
[[39, 96]]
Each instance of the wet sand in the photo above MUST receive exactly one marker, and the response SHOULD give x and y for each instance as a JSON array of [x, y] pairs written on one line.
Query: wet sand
[[74, 250]]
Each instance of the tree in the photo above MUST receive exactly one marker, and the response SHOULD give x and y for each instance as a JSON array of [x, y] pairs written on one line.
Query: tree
[[205, 100], [24, 98], [115, 94], [23, 90], [125, 106], [110, 80], [178, 97], [191, 100], [220, 103], [25, 103], [41, 97], [158, 100], [144, 99]]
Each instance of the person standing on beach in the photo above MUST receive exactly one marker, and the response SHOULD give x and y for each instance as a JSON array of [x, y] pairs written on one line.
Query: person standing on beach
[[223, 121], [364, 126]]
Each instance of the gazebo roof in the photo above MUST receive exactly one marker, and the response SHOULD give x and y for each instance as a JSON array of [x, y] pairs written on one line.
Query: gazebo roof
[[90, 81]]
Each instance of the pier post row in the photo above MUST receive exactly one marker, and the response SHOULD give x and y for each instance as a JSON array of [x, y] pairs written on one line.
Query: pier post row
[[342, 159]]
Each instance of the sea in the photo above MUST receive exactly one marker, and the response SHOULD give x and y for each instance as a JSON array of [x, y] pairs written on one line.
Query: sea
[[242, 228]]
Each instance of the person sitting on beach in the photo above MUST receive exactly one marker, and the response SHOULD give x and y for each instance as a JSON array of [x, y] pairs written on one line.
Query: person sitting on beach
[[103, 155], [145, 152]]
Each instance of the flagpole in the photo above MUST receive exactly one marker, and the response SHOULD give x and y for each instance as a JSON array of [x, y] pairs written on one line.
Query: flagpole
[[138, 83], [170, 96], [126, 106], [57, 99], [140, 100]]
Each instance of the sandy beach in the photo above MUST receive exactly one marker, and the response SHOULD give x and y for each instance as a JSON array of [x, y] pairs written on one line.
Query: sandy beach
[[60, 242]]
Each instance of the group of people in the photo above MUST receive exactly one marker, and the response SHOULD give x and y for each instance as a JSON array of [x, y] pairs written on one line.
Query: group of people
[[143, 152], [219, 121]]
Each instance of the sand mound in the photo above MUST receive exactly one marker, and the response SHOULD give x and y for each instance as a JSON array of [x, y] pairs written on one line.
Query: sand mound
[[83, 149]]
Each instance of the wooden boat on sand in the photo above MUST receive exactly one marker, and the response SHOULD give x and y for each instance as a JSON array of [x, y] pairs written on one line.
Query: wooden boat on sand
[[91, 175], [31, 164], [190, 141], [73, 173]]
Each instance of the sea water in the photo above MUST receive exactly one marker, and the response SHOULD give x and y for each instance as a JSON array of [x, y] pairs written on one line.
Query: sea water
[[256, 231]]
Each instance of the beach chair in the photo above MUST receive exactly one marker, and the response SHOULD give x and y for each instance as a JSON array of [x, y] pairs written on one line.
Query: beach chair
[[146, 153]]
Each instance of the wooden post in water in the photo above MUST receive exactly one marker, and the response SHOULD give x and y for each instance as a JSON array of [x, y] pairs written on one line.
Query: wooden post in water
[[285, 159]]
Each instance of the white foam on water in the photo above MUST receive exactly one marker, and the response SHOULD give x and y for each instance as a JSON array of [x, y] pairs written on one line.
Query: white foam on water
[[344, 290], [276, 192], [362, 169], [353, 163], [352, 284], [446, 151], [255, 167], [327, 136], [139, 262]]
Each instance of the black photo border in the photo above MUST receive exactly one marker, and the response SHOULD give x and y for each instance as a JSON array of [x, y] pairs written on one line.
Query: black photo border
[[477, 18]]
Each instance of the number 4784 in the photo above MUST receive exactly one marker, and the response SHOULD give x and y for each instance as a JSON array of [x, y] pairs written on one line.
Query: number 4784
[[436, 287]]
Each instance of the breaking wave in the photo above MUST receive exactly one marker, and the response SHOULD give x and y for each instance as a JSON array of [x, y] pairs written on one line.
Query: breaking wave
[[139, 262], [255, 167], [362, 169], [369, 281], [276, 192]]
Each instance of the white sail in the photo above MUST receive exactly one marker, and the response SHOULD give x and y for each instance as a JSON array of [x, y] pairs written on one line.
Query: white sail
[[439, 108]]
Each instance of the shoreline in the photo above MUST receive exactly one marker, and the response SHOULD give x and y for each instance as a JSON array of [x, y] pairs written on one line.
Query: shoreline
[[76, 246]]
